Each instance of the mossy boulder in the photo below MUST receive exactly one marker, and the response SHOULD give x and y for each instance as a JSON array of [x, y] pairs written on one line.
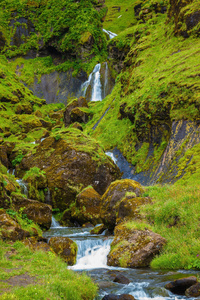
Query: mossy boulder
[[73, 113], [38, 212], [112, 198], [98, 229], [64, 247], [87, 207], [71, 161], [132, 248], [193, 291], [10, 229]]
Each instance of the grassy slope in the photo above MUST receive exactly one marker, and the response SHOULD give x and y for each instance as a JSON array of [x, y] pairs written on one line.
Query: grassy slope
[[46, 274]]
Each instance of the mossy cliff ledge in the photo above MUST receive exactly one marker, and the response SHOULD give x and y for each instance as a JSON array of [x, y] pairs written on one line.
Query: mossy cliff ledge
[[71, 161], [132, 248]]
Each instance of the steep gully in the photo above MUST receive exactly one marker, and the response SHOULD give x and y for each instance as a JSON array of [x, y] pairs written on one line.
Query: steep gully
[[93, 249]]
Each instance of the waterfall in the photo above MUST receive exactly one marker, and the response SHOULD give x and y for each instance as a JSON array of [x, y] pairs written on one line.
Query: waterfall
[[110, 34], [23, 187], [95, 83], [54, 223], [111, 156], [92, 253]]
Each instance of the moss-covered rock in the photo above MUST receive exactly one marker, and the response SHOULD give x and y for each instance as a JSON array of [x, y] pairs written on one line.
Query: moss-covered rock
[[73, 113], [64, 247], [113, 197], [37, 244], [10, 229], [133, 248], [87, 207], [71, 161], [38, 212]]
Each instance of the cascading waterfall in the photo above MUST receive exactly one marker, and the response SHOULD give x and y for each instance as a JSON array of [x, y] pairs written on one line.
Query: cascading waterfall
[[54, 223], [23, 187], [95, 82], [92, 253], [145, 284], [110, 34]]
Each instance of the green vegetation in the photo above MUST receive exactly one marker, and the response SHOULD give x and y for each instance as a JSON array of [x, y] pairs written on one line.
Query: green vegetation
[[174, 214], [45, 273]]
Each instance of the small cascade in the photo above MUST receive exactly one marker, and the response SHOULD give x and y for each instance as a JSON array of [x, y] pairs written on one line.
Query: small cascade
[[94, 83], [92, 253], [111, 156], [54, 223], [110, 34], [48, 197], [23, 187]]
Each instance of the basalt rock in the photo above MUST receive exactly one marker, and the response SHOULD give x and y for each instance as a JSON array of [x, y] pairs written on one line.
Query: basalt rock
[[113, 197], [71, 163], [121, 279], [180, 286], [132, 248], [64, 247]]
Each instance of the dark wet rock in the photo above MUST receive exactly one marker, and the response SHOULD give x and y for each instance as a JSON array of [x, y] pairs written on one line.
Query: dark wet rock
[[121, 279], [10, 229], [118, 297], [113, 197], [132, 248], [64, 247], [193, 291], [179, 286], [58, 86], [38, 212]]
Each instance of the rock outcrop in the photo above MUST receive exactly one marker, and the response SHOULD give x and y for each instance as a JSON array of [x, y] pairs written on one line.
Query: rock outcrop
[[134, 248]]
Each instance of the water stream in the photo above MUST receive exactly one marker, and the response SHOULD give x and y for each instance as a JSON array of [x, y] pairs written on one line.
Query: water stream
[[145, 284]]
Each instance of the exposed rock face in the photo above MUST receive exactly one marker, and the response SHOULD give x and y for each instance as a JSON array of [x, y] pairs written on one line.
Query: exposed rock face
[[179, 286], [87, 207], [38, 212], [65, 247], [112, 198], [71, 164], [58, 86], [10, 230], [134, 248]]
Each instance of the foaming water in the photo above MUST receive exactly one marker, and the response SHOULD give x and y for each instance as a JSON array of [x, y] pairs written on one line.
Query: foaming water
[[95, 83], [92, 254]]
